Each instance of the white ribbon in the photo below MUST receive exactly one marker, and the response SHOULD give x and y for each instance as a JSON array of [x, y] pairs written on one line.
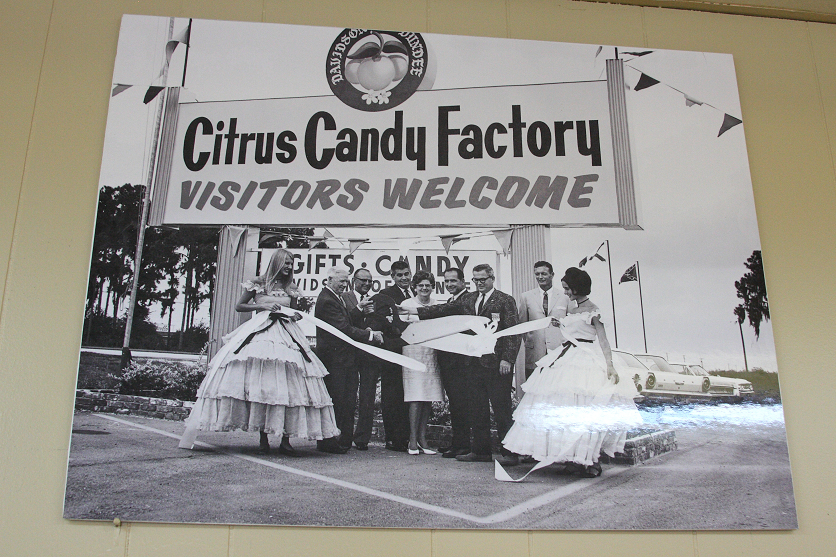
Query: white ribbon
[[484, 341]]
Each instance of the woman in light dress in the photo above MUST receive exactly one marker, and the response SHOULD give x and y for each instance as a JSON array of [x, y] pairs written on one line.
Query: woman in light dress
[[268, 379], [421, 388], [575, 405]]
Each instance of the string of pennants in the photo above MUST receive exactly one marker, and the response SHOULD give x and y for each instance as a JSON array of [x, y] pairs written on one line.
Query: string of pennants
[[153, 90], [503, 236], [645, 81]]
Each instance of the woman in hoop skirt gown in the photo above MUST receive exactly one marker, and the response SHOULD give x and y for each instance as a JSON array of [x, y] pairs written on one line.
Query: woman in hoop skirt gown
[[575, 405], [272, 382]]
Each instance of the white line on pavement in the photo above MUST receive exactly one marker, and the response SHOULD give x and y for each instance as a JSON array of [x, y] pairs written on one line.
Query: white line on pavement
[[502, 516]]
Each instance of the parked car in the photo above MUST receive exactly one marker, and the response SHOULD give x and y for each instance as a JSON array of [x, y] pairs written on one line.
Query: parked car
[[722, 387], [665, 381], [628, 367]]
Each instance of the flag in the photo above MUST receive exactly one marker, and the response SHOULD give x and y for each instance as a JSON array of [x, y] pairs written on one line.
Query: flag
[[629, 275], [151, 93], [729, 122], [353, 244], [118, 88], [644, 82], [504, 239], [595, 255], [448, 241], [691, 101], [642, 53]]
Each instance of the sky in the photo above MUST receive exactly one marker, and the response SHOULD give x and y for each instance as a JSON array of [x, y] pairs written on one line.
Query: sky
[[694, 188]]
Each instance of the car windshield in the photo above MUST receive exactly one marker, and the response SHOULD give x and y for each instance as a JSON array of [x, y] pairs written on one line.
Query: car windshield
[[655, 363], [629, 360], [680, 368], [697, 370]]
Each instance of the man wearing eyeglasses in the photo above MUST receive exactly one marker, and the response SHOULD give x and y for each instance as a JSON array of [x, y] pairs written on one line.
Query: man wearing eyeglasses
[[490, 377], [360, 304]]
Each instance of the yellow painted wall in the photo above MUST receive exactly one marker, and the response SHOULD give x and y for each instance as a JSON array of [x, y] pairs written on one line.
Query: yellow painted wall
[[56, 59]]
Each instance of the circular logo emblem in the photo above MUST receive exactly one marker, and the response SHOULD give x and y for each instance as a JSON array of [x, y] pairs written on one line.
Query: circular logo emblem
[[376, 70]]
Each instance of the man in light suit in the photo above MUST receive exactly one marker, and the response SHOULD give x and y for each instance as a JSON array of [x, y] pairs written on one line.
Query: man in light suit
[[489, 377], [339, 357], [545, 300]]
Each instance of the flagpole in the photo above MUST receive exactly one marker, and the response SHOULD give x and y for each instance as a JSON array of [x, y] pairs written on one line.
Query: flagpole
[[612, 295], [641, 305], [188, 44], [146, 203]]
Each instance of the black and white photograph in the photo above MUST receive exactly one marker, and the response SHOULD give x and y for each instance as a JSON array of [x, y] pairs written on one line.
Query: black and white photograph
[[387, 279]]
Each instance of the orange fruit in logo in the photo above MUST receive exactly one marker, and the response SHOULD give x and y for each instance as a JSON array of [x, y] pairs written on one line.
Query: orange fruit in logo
[[351, 71], [400, 66], [375, 74]]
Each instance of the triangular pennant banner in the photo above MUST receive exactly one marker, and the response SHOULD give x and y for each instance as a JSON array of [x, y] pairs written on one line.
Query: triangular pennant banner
[[595, 255], [326, 233], [645, 81], [354, 244], [118, 88], [404, 245], [182, 36], [691, 101], [448, 241], [729, 122], [597, 52], [637, 54], [504, 239], [236, 234], [151, 93]]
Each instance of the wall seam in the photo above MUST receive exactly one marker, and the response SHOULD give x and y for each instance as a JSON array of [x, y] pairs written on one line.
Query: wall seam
[[821, 101], [25, 163]]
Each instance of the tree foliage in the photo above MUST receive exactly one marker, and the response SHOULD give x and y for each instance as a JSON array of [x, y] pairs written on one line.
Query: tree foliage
[[178, 266], [177, 270], [751, 289]]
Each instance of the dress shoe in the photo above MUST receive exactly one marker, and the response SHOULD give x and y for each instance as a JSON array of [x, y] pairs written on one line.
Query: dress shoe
[[361, 446], [453, 453], [426, 450], [413, 452], [398, 447], [330, 446], [474, 457], [508, 460], [286, 450]]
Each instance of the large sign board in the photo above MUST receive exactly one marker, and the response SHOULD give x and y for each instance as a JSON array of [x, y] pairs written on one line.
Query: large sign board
[[535, 153]]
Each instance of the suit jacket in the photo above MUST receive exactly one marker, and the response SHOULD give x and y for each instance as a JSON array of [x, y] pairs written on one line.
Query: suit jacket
[[329, 348], [499, 303], [378, 320], [395, 293], [530, 308]]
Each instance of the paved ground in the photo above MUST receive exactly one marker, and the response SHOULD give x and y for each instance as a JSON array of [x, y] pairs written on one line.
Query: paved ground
[[731, 470]]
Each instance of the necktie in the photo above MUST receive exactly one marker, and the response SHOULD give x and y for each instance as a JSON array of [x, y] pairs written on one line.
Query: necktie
[[407, 294], [481, 304], [545, 303], [362, 297]]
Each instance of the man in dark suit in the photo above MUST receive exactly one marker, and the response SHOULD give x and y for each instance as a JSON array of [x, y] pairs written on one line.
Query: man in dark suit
[[391, 375], [489, 377], [359, 305], [339, 357], [452, 367]]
